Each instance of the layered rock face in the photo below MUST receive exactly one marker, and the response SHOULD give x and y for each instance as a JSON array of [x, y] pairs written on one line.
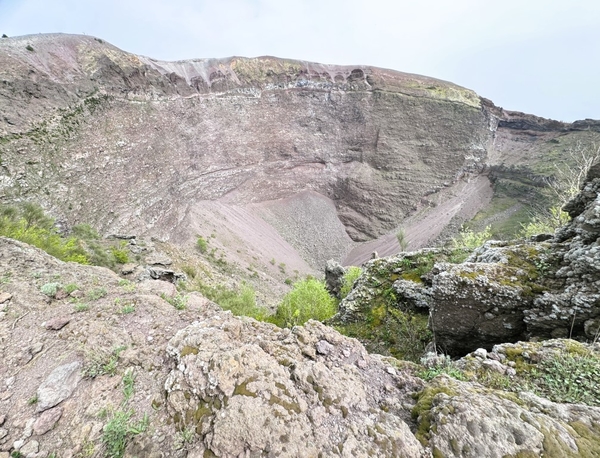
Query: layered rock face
[[240, 130], [131, 144]]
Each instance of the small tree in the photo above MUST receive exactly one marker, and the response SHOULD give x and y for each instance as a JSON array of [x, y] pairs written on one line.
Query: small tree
[[565, 185], [401, 236], [202, 244]]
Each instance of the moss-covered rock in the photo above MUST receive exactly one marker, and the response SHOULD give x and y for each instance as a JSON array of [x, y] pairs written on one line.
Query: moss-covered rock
[[388, 308], [467, 420]]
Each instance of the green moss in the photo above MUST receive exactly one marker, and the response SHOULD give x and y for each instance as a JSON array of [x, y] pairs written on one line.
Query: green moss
[[523, 454], [188, 350], [422, 410], [412, 276], [291, 406], [242, 388], [576, 348], [515, 354], [437, 453]]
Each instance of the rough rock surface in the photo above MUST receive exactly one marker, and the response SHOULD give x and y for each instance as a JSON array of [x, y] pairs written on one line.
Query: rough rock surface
[[517, 425], [58, 386], [210, 384], [334, 277], [248, 387]]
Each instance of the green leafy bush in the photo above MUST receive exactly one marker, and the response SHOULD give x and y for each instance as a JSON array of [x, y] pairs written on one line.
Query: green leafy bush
[[201, 244], [71, 287], [29, 224], [120, 255], [350, 277], [467, 238], [96, 293], [572, 378], [50, 289], [401, 237], [240, 302], [545, 223], [178, 301], [308, 300]]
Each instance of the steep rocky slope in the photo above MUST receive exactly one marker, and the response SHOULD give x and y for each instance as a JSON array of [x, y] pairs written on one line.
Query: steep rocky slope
[[131, 144]]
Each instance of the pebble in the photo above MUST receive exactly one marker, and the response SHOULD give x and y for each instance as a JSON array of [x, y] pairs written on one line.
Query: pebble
[[57, 323], [480, 353], [494, 365], [324, 347]]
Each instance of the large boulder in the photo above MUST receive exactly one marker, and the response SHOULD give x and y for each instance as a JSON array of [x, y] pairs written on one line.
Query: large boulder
[[250, 388]]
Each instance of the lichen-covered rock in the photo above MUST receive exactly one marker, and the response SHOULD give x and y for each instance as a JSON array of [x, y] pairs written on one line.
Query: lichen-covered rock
[[463, 420], [477, 304], [249, 388], [505, 291]]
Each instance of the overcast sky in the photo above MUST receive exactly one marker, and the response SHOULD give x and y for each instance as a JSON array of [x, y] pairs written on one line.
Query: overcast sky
[[537, 56]]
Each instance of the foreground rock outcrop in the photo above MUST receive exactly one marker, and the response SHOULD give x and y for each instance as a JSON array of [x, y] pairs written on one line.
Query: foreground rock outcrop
[[250, 387], [128, 374]]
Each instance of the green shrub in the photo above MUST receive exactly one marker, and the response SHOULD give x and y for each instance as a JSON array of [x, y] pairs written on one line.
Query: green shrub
[[85, 232], [96, 293], [401, 237], [81, 307], [71, 287], [307, 300], [350, 277], [50, 289], [102, 363], [467, 238], [572, 378], [545, 223], [120, 255], [202, 244], [240, 302], [29, 224], [29, 48], [119, 429], [178, 301]]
